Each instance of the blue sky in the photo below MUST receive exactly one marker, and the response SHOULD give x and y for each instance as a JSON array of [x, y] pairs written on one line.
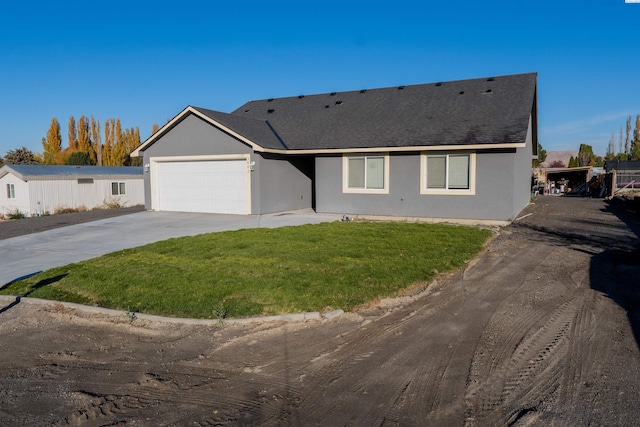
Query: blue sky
[[143, 62]]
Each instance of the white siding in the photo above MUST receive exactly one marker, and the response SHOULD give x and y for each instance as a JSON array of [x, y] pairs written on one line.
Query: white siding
[[21, 201], [49, 196], [37, 197]]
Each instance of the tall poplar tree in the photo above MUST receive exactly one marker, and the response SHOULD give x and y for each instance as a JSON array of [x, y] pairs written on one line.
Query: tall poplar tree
[[96, 142], [109, 141], [84, 137], [72, 134], [627, 143], [611, 149], [52, 144], [132, 141], [120, 145], [635, 146]]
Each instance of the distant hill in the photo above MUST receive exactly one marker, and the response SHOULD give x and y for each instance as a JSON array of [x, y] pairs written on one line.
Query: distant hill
[[563, 156]]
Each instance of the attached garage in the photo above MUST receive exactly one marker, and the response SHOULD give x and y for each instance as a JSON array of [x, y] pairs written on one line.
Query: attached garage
[[219, 184]]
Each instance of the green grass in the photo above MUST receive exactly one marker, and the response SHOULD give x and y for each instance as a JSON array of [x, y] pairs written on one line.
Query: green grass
[[262, 271]]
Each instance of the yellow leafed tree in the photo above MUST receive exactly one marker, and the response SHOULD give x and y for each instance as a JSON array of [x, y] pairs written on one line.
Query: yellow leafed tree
[[72, 134], [52, 144]]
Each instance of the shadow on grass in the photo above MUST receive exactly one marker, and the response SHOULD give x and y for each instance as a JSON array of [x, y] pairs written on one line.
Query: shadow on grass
[[40, 284]]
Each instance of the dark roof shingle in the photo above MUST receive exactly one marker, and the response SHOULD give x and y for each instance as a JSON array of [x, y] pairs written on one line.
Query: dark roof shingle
[[27, 171], [465, 112]]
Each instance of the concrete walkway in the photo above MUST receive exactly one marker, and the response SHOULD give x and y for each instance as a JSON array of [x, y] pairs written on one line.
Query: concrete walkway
[[26, 255]]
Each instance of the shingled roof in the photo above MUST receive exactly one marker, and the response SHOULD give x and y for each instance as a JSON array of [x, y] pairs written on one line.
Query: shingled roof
[[476, 112], [465, 112], [29, 172]]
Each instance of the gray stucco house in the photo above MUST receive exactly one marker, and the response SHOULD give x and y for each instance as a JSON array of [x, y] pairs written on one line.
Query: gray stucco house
[[458, 150]]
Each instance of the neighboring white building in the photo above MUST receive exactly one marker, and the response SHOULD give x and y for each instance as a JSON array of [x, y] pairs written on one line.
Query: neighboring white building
[[43, 189]]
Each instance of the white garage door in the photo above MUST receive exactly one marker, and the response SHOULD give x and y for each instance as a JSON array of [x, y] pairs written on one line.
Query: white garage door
[[215, 186]]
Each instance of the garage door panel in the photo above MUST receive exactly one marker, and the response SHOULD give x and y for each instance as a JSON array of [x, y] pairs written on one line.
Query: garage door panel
[[215, 186]]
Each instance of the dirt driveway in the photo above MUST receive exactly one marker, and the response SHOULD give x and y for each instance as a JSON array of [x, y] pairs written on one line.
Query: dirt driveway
[[542, 329]]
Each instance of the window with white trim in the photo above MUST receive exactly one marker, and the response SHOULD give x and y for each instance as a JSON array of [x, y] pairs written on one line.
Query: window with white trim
[[118, 188], [366, 174], [11, 191], [448, 173]]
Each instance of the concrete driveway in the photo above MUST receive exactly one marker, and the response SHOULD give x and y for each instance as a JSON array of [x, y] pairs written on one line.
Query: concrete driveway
[[29, 254]]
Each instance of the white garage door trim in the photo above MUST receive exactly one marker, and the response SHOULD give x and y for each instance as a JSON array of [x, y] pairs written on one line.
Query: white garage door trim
[[235, 164]]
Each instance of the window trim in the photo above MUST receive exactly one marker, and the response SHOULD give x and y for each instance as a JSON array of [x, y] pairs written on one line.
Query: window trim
[[11, 191], [345, 174], [119, 184], [471, 191]]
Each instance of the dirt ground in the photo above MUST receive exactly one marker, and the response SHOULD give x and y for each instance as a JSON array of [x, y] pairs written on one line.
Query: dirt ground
[[542, 329]]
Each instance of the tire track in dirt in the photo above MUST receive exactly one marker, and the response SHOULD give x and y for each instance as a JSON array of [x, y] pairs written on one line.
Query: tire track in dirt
[[514, 385], [352, 371], [171, 392], [536, 350], [119, 392], [581, 349]]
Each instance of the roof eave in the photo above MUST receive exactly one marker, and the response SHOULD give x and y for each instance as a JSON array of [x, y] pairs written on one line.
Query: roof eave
[[452, 147], [9, 170]]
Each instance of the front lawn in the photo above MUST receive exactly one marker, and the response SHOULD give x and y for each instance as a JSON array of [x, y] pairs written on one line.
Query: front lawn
[[262, 271]]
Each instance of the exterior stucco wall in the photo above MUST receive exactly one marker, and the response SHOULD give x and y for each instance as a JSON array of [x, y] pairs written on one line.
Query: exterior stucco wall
[[192, 137], [493, 199], [276, 183], [284, 184], [522, 175]]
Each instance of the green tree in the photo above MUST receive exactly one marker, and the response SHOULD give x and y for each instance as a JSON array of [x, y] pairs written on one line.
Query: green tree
[[627, 143], [20, 156], [573, 162], [586, 157], [79, 158], [72, 134], [52, 144], [542, 156], [635, 145]]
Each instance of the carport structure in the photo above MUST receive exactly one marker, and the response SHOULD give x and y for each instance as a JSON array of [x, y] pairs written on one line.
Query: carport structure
[[571, 177]]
